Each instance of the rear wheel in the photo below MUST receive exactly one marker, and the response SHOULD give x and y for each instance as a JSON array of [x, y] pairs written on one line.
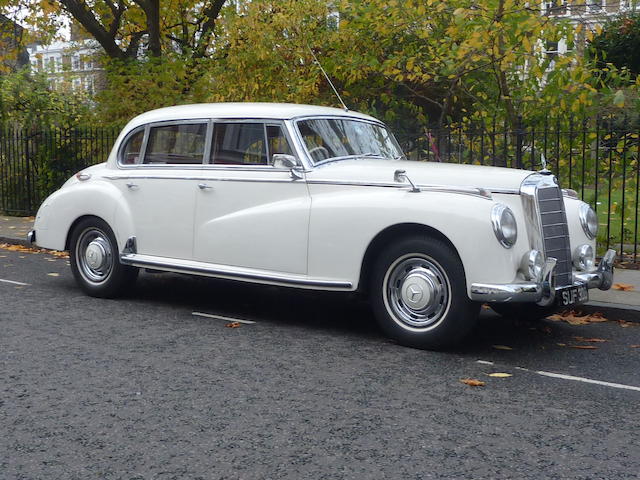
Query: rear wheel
[[419, 296], [94, 260]]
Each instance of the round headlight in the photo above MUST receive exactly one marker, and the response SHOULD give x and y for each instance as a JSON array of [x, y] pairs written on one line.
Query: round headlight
[[504, 225], [583, 258], [589, 221]]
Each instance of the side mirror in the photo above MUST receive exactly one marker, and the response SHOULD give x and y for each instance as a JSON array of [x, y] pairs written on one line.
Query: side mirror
[[282, 160]]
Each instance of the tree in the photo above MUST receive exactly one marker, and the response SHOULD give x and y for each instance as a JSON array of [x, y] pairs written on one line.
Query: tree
[[618, 44], [120, 26]]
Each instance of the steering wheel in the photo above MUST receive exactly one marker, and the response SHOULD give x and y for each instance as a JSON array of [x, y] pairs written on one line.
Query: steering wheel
[[319, 153]]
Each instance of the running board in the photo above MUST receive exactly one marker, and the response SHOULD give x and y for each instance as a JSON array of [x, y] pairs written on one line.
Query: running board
[[231, 273]]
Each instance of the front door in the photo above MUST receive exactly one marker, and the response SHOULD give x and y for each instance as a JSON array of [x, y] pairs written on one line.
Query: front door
[[250, 214]]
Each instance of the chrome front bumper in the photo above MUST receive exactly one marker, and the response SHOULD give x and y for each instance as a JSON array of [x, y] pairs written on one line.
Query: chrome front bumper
[[542, 292]]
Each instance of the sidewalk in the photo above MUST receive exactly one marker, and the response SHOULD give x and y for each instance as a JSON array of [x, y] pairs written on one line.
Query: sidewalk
[[14, 230]]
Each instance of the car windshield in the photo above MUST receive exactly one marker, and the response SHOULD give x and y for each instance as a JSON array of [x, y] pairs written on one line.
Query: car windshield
[[340, 138]]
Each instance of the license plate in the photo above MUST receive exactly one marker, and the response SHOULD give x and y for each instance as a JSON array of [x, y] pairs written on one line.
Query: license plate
[[572, 295]]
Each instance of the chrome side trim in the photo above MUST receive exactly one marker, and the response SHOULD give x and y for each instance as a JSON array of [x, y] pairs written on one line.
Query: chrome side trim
[[475, 191], [204, 179], [232, 273], [504, 191]]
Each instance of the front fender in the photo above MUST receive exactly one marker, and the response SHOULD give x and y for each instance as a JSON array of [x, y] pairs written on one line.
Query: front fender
[[344, 223], [64, 207]]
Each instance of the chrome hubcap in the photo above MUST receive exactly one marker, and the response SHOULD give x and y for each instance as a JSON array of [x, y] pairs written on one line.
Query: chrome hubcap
[[95, 256], [417, 291]]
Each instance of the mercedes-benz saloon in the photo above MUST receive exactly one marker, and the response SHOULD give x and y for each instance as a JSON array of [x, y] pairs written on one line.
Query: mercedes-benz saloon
[[321, 198]]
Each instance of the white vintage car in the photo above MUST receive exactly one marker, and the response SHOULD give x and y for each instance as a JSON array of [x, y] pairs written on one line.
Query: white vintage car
[[320, 198]]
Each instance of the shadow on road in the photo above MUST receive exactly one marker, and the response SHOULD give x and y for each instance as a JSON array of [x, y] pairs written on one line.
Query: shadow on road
[[330, 311]]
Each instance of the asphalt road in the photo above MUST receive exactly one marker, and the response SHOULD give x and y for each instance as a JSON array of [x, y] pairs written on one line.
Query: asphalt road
[[140, 388]]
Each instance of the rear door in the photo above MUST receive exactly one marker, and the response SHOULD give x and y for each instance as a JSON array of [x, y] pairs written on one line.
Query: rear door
[[159, 182]]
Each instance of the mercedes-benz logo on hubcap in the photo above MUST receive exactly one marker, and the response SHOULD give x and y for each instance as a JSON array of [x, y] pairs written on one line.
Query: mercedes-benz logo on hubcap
[[415, 294]]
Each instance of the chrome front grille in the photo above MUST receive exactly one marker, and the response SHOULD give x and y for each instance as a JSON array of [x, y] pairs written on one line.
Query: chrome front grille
[[555, 233]]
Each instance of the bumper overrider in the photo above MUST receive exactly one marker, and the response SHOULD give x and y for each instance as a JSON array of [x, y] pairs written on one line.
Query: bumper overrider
[[542, 291]]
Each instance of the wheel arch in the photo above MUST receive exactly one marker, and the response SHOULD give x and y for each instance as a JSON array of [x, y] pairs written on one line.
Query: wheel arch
[[67, 242], [389, 234]]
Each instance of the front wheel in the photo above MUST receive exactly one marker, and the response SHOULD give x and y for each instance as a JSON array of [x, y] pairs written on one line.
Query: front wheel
[[419, 295], [94, 260]]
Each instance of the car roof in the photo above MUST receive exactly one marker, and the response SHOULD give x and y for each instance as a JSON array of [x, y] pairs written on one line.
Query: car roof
[[278, 111]]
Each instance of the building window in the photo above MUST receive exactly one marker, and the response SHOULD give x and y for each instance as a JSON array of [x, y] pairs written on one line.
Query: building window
[[595, 5]]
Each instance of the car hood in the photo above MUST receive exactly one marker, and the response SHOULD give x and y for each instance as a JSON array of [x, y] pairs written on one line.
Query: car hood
[[421, 173]]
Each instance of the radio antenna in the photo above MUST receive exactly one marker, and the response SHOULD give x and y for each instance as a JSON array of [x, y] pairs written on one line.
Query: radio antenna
[[328, 79]]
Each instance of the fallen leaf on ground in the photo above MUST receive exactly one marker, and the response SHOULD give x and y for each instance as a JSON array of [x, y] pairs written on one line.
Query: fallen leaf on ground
[[590, 340], [53, 274], [584, 347], [500, 375], [233, 324], [23, 249], [472, 382], [561, 344], [625, 287], [634, 346], [574, 317], [486, 307], [625, 324], [501, 347]]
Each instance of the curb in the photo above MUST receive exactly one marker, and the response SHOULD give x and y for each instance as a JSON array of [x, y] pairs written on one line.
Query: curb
[[15, 241]]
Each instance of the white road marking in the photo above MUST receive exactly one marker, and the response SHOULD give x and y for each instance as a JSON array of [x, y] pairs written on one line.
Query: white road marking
[[573, 378], [221, 317], [484, 362], [14, 282], [588, 380]]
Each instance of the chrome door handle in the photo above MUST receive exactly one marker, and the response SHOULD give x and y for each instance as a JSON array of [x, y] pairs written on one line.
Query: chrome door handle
[[132, 186], [204, 186]]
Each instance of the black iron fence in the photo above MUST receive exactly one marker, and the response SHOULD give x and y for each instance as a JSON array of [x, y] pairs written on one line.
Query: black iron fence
[[596, 157], [35, 162]]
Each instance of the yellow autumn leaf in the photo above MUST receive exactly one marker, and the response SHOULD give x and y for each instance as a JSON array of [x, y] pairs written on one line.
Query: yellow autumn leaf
[[500, 375]]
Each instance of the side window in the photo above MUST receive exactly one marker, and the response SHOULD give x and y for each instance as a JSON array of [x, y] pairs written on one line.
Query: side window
[[177, 144], [239, 144], [277, 141], [131, 150]]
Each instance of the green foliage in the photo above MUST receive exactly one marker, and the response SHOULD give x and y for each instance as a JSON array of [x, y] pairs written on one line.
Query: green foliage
[[27, 100], [618, 44]]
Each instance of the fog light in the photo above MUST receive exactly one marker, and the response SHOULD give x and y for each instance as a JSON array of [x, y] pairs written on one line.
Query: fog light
[[583, 258], [532, 265]]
